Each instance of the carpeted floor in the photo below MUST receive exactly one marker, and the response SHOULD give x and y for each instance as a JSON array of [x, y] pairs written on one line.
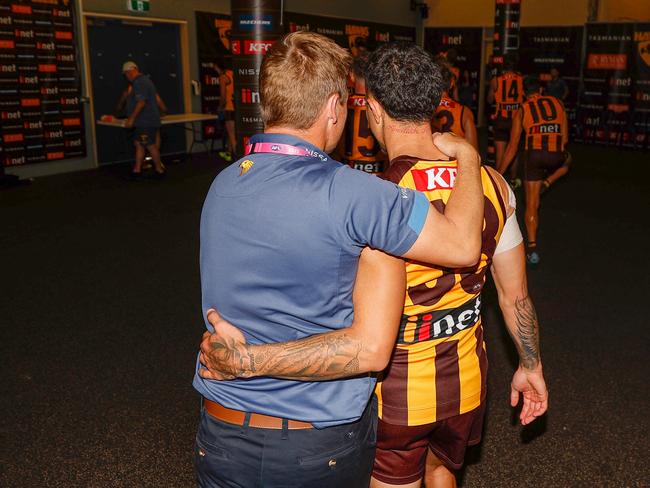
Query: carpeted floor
[[100, 323]]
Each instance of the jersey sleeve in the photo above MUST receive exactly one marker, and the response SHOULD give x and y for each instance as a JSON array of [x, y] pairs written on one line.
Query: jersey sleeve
[[511, 234], [368, 211]]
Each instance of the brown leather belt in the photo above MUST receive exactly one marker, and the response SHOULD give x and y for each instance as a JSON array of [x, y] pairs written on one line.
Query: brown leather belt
[[237, 417]]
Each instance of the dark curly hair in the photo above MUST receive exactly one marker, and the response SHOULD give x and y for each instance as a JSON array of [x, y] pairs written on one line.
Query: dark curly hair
[[531, 85], [405, 80]]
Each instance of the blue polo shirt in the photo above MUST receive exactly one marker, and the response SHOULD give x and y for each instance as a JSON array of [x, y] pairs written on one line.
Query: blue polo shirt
[[280, 245], [144, 90]]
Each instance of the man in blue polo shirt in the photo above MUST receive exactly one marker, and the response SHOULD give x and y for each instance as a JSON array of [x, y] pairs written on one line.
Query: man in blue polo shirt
[[281, 234], [144, 117]]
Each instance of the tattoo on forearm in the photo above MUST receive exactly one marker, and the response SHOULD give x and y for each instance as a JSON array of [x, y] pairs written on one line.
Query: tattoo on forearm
[[318, 357], [527, 335]]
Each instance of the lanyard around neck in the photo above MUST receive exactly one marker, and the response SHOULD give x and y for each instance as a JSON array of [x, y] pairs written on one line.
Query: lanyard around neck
[[274, 148]]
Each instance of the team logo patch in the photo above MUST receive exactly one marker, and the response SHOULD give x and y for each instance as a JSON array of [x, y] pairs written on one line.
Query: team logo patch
[[245, 166], [644, 52]]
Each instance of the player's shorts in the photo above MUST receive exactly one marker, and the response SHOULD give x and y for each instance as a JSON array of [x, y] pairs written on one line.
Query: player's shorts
[[540, 164], [402, 450], [228, 115], [502, 129], [145, 136]]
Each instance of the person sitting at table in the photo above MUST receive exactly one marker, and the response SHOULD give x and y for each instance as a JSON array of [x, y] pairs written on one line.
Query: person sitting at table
[[144, 115]]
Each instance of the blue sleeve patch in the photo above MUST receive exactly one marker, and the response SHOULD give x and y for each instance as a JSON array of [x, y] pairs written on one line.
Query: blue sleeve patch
[[418, 213]]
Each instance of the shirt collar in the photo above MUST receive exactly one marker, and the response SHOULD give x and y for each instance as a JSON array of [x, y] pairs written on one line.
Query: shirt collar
[[291, 140]]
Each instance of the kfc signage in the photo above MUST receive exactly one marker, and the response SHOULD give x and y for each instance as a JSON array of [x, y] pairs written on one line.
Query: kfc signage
[[252, 47]]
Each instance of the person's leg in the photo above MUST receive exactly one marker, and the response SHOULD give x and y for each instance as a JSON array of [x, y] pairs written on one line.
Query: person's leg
[[532, 189], [139, 157], [560, 172], [436, 474], [232, 141], [375, 483], [155, 156], [500, 149], [401, 455]]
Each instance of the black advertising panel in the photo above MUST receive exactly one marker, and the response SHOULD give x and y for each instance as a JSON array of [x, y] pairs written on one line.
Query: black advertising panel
[[543, 48], [467, 41], [506, 28], [605, 114], [41, 117], [213, 41], [641, 87], [256, 24], [346, 31]]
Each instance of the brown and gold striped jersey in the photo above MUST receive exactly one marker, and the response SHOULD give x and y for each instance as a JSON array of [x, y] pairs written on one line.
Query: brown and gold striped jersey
[[509, 94], [360, 148], [543, 123], [449, 117], [439, 364]]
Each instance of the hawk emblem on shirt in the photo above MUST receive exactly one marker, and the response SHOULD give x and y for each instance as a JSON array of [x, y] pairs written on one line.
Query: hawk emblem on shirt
[[245, 166]]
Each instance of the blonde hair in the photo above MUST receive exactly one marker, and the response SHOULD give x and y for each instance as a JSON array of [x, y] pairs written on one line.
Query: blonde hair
[[299, 73]]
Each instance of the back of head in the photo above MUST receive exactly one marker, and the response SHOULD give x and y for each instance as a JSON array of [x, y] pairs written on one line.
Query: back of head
[[532, 85], [510, 62], [405, 80], [359, 66], [445, 70], [298, 75], [452, 55]]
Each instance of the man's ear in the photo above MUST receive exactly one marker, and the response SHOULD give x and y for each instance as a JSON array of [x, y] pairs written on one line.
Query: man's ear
[[375, 109], [332, 107]]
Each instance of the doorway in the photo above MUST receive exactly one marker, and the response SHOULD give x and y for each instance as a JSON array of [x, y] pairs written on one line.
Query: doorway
[[156, 49]]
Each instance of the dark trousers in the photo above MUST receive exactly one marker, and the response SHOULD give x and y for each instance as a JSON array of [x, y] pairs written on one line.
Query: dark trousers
[[228, 456]]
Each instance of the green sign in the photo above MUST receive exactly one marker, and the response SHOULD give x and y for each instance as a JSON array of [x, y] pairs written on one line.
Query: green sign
[[137, 5]]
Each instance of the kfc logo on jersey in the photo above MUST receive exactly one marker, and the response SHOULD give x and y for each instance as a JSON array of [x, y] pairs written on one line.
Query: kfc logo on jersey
[[437, 178], [357, 101], [257, 47]]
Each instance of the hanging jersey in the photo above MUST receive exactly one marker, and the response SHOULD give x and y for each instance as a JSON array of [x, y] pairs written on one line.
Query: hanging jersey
[[439, 365], [509, 94], [230, 90], [360, 149], [543, 123], [449, 117]]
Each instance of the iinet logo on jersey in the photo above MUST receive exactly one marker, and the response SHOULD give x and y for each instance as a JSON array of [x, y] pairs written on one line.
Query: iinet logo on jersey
[[438, 178], [249, 96]]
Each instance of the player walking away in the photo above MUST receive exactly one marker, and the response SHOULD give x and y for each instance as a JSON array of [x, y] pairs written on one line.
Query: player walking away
[[506, 93], [227, 106], [358, 148], [543, 120], [451, 56], [433, 392], [452, 116]]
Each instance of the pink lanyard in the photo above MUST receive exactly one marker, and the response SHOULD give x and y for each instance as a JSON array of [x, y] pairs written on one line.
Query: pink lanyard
[[271, 147]]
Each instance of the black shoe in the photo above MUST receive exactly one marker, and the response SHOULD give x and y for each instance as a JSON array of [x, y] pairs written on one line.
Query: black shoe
[[135, 176], [158, 175]]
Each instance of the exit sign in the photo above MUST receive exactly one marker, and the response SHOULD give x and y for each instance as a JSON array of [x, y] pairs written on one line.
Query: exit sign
[[137, 5]]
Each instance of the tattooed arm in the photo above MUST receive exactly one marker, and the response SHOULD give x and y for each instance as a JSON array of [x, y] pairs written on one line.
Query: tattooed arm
[[509, 272], [365, 346]]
